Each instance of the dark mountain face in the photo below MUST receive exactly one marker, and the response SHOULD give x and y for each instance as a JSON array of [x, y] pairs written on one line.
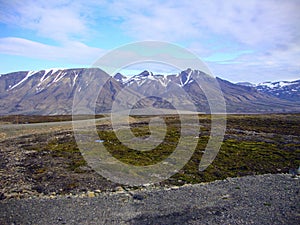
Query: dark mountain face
[[120, 78], [55, 91]]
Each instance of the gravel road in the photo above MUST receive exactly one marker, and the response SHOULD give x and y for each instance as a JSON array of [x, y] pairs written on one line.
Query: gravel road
[[266, 199]]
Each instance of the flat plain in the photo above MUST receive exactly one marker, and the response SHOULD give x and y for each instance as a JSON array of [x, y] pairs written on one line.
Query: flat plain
[[39, 156]]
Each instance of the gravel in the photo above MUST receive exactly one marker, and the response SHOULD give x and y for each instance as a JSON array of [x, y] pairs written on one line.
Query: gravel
[[265, 199]]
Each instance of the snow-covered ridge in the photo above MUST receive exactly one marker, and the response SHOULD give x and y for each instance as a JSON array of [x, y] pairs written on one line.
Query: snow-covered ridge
[[141, 78], [280, 87], [278, 84], [29, 74], [47, 77], [269, 84], [46, 73], [289, 90], [183, 78]]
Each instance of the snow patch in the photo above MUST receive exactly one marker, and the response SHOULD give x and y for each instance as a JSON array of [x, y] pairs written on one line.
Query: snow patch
[[183, 83], [29, 74], [75, 78], [59, 76], [164, 81], [47, 71], [272, 85]]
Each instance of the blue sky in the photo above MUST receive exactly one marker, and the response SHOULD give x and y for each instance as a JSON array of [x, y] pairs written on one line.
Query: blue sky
[[249, 40]]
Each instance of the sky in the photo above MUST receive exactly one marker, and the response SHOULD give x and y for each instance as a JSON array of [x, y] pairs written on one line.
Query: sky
[[251, 40]]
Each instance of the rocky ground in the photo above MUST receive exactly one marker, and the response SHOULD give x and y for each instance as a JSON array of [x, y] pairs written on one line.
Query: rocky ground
[[265, 199], [28, 172]]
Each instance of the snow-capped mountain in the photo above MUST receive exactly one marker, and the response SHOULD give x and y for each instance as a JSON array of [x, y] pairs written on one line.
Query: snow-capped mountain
[[287, 90], [182, 79], [52, 91], [238, 98]]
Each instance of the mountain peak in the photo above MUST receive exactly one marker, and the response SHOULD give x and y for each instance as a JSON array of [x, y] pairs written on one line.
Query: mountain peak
[[120, 78], [186, 76], [146, 73]]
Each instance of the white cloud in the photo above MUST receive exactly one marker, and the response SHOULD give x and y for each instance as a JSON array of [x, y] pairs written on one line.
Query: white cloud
[[58, 20], [274, 65], [72, 52], [249, 22]]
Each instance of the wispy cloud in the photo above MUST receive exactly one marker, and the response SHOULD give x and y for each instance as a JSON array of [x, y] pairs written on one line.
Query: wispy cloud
[[250, 22], [274, 65], [65, 23], [72, 52], [58, 20]]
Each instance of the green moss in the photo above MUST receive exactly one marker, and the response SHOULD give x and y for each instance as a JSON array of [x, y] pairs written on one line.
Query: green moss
[[143, 158], [239, 158], [239, 155]]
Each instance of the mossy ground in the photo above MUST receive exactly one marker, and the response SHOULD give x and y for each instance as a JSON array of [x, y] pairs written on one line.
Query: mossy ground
[[253, 144]]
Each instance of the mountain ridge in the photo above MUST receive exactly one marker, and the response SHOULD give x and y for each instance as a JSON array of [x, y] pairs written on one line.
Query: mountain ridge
[[52, 91], [287, 90]]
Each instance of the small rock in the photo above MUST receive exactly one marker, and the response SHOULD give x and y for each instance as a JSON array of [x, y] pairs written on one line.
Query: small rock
[[2, 196], [82, 195], [85, 168], [119, 189], [52, 196], [138, 197], [226, 196], [13, 195], [175, 187], [91, 194]]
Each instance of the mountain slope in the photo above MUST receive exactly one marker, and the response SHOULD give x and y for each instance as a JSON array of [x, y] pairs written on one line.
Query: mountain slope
[[52, 91], [41, 92]]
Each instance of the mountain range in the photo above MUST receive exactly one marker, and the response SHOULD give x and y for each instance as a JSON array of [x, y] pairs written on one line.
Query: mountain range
[[288, 90], [52, 92]]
